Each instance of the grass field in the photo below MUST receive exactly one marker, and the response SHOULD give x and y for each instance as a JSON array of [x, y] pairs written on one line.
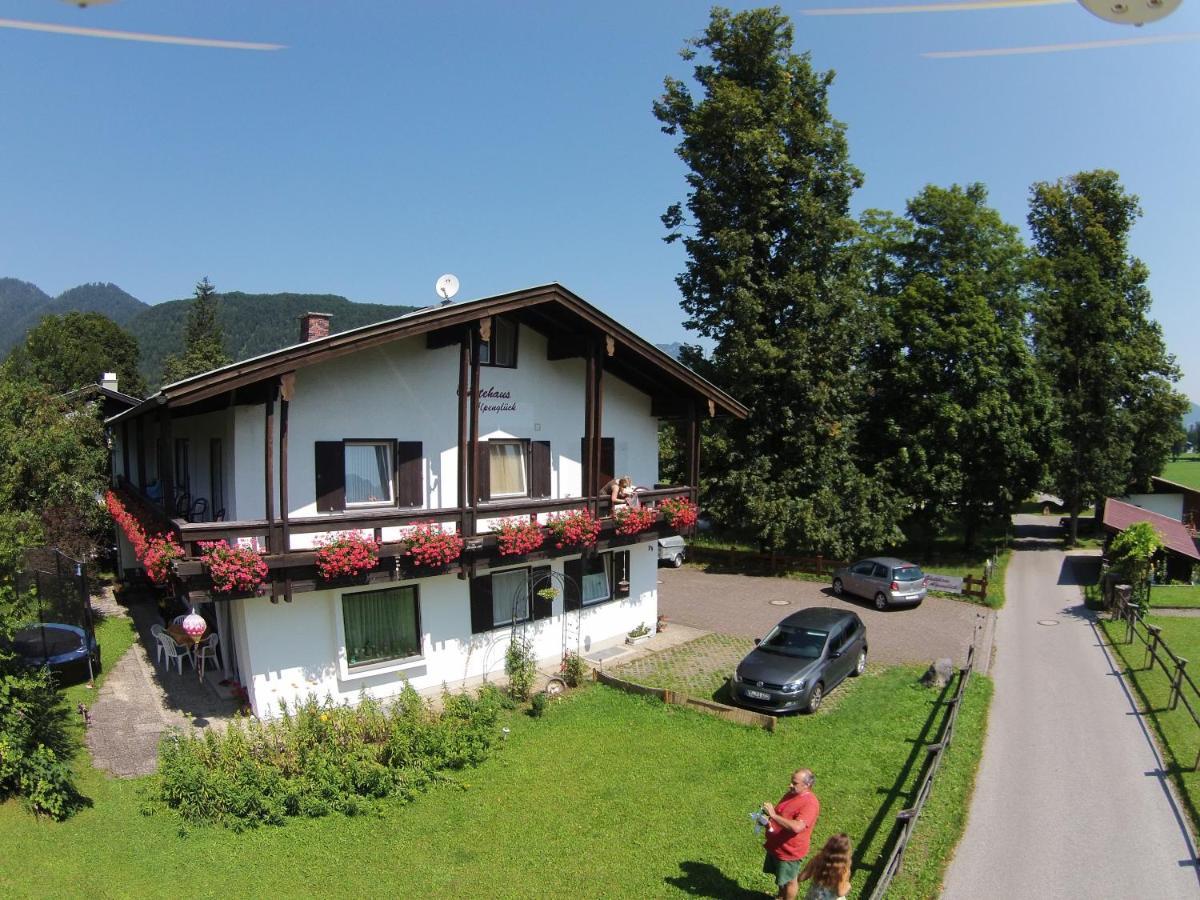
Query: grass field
[[607, 795], [1178, 735], [1183, 470], [1180, 596]]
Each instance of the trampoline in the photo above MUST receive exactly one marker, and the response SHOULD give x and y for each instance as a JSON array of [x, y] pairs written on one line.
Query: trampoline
[[63, 648]]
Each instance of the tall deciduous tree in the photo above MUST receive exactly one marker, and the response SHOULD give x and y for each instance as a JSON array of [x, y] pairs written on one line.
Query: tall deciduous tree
[[75, 349], [203, 339], [959, 414], [1111, 376], [767, 229]]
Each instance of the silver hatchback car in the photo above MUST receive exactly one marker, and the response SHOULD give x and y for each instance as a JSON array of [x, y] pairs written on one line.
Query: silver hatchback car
[[883, 579]]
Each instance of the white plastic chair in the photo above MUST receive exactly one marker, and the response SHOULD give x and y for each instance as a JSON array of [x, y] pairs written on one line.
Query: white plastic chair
[[207, 650], [157, 631], [175, 652], [178, 620]]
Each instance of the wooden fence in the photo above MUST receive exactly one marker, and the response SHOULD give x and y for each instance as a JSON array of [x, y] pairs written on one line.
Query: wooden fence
[[1173, 666], [906, 819]]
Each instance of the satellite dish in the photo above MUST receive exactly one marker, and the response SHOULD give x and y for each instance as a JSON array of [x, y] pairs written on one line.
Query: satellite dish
[[1130, 12], [446, 287]]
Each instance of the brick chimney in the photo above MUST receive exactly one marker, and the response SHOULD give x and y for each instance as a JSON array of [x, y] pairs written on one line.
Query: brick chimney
[[314, 325], [109, 381]]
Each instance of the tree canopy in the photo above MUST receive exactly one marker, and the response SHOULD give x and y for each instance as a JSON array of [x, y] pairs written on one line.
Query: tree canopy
[[1110, 375], [768, 279], [66, 352], [203, 338]]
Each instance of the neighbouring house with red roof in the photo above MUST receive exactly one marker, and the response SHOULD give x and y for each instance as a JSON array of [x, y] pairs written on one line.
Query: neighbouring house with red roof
[[1180, 551], [1173, 500]]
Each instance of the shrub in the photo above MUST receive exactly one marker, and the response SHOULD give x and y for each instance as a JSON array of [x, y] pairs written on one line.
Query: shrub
[[320, 758], [520, 668], [574, 669], [518, 536], [35, 745], [346, 553], [537, 707], [233, 568]]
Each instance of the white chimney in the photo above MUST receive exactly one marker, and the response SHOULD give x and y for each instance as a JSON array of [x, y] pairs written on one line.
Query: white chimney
[[109, 381]]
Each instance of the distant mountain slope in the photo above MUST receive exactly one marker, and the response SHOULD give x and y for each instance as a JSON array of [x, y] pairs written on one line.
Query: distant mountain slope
[[1192, 415], [22, 306], [254, 323]]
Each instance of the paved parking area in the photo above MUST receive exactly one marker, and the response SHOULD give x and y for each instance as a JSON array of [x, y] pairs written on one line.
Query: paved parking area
[[742, 605]]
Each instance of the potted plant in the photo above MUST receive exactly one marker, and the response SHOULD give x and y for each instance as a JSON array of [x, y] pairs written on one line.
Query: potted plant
[[576, 528], [346, 553], [680, 512], [516, 537], [233, 568], [633, 520], [429, 546], [639, 634]]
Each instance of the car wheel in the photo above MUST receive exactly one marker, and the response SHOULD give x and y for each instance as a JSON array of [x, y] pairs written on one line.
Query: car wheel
[[676, 560], [838, 589], [815, 698], [881, 600], [861, 665]]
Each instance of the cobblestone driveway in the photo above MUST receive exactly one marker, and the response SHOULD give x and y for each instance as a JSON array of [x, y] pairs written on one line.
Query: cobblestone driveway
[[741, 605]]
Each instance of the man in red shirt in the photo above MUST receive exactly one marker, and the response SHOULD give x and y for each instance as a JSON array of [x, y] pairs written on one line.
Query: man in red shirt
[[789, 828]]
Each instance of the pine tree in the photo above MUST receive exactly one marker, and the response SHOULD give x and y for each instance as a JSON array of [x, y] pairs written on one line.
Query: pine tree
[[204, 338]]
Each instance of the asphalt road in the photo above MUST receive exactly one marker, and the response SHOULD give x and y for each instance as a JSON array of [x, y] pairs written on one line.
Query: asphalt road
[[1071, 799], [749, 605]]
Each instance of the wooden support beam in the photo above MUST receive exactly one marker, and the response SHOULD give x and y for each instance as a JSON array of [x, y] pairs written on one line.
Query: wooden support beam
[[598, 430], [464, 401], [166, 460], [473, 438], [287, 385], [125, 449], [140, 429], [269, 468], [589, 430]]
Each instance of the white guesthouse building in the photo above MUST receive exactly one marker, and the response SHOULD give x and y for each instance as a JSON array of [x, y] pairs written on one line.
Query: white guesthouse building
[[520, 405]]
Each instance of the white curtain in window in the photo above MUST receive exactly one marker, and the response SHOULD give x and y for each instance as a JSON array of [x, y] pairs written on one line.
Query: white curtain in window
[[510, 597], [368, 473], [595, 587], [507, 469]]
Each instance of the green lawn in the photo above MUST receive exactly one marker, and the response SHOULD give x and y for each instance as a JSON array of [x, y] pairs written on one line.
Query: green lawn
[[607, 795], [1186, 596], [1183, 470], [1177, 734]]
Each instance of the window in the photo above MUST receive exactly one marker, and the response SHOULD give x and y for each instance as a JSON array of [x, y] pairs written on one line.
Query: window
[[510, 597], [501, 350], [368, 472], [183, 480], [506, 469], [597, 579], [381, 625]]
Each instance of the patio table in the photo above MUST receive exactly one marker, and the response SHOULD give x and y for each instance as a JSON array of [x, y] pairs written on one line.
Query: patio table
[[183, 639]]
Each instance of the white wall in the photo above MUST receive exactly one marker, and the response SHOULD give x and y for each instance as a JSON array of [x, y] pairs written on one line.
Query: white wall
[[290, 650], [1170, 505]]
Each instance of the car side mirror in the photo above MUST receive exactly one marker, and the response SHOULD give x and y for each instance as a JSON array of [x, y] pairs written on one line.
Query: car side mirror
[[835, 654], [757, 641]]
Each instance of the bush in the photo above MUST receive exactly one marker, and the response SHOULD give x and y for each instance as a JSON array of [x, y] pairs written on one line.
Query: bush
[[520, 668], [321, 758], [35, 745], [537, 708], [574, 670]]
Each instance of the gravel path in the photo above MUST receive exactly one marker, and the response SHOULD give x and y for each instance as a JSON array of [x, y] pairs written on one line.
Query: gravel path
[[748, 605], [1071, 799]]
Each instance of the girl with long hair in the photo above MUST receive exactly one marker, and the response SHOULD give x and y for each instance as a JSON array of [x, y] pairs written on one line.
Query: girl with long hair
[[829, 870]]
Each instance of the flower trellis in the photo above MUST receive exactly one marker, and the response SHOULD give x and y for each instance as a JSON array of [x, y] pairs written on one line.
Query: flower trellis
[[633, 521], [233, 568], [576, 528], [518, 536], [346, 553], [157, 553], [428, 545], [680, 512]]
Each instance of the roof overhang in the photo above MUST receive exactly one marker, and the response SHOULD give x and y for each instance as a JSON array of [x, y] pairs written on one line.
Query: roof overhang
[[1119, 515], [549, 308]]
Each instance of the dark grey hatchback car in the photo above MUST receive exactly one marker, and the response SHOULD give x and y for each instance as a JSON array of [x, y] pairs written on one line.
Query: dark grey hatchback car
[[801, 660]]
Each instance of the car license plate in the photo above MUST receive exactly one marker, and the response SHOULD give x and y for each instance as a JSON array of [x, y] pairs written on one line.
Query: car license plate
[[758, 695]]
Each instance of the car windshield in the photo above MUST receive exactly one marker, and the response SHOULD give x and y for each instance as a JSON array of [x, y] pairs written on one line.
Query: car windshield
[[803, 643], [908, 573]]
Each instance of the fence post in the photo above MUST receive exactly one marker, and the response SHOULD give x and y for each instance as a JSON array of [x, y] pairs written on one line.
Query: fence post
[[1177, 682], [1152, 647]]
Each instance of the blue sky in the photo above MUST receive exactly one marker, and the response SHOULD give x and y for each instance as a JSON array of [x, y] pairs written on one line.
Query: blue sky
[[513, 143]]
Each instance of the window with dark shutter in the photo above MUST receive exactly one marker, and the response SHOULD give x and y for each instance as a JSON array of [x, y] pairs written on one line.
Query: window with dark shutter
[[410, 472], [539, 469], [331, 476], [481, 604], [573, 572], [608, 465]]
